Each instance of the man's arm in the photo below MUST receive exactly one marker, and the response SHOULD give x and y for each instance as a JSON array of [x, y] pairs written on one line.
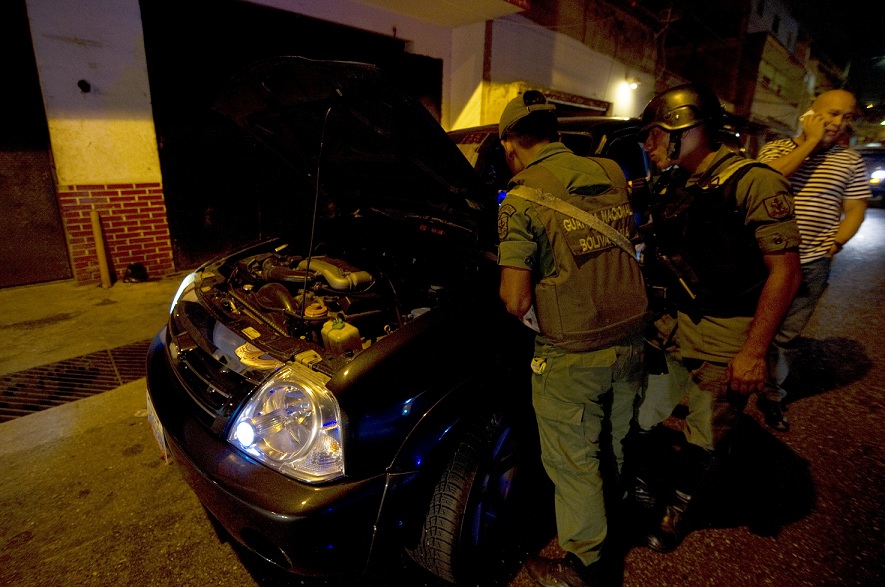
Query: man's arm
[[812, 133], [854, 212], [516, 290], [748, 370]]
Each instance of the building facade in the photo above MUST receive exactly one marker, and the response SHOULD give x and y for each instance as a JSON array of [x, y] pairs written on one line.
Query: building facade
[[126, 86]]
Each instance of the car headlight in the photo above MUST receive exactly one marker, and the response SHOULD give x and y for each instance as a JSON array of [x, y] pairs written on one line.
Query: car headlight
[[293, 425]]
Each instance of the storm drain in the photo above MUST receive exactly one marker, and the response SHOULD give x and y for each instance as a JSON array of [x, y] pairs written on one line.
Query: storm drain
[[37, 389]]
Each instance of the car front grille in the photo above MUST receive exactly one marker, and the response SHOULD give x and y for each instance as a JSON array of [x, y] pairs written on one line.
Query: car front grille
[[202, 369]]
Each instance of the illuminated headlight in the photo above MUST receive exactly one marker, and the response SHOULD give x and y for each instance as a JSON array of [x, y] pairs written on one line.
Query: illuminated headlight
[[185, 291], [293, 424], [877, 176]]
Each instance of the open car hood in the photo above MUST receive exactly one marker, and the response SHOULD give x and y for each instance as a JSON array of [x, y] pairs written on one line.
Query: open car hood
[[361, 143]]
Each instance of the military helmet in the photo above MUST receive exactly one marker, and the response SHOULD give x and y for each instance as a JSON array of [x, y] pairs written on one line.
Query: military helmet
[[680, 108]]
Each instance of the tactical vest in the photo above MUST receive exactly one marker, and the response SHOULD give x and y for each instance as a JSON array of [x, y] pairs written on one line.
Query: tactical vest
[[702, 244], [596, 297]]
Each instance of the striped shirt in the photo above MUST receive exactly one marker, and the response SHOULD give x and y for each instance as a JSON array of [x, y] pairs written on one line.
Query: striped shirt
[[819, 186]]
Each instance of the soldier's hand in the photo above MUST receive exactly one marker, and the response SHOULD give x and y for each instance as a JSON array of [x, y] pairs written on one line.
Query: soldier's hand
[[747, 373]]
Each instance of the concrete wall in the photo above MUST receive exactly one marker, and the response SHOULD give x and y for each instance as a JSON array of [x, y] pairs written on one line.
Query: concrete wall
[[93, 76], [524, 51], [105, 131]]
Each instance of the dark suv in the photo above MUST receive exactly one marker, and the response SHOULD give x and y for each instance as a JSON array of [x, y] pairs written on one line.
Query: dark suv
[[354, 389]]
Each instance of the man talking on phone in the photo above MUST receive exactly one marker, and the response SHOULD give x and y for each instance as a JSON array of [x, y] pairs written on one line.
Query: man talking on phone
[[830, 190]]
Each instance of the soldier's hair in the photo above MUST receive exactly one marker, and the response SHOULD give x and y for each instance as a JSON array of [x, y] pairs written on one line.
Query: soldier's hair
[[533, 129]]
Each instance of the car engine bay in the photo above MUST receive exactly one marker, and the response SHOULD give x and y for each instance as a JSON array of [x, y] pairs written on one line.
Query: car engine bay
[[335, 304]]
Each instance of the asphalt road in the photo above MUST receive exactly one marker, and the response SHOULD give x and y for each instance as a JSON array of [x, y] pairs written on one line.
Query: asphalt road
[[87, 500]]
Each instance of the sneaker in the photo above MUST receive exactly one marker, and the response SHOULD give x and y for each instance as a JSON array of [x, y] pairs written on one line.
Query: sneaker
[[773, 413], [561, 572]]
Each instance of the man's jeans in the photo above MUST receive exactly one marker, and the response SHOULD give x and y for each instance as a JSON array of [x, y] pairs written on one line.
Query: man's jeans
[[780, 356]]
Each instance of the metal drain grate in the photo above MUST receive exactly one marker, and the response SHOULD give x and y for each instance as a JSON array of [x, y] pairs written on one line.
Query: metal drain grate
[[51, 385]]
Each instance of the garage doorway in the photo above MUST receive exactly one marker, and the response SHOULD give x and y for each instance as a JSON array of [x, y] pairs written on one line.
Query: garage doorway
[[33, 248]]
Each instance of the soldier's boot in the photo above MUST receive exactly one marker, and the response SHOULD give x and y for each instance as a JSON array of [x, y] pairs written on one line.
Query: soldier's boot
[[641, 486], [694, 463], [673, 526], [644, 453]]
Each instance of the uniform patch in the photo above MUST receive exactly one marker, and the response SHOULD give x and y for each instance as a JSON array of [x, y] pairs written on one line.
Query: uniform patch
[[778, 207], [504, 214]]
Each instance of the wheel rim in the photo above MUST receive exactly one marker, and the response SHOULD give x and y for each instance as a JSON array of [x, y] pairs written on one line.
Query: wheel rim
[[496, 476]]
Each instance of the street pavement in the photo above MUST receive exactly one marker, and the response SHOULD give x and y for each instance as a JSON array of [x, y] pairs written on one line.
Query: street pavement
[[86, 498]]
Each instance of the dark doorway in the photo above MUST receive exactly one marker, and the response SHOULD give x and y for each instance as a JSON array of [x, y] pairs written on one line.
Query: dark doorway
[[221, 195], [32, 239]]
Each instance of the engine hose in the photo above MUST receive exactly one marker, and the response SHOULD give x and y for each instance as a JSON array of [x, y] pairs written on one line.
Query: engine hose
[[337, 278], [272, 272]]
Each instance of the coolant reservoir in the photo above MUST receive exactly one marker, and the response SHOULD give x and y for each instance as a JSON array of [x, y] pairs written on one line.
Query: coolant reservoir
[[339, 336]]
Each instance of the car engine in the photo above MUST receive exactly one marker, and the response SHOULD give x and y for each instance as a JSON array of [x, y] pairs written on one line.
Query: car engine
[[289, 303]]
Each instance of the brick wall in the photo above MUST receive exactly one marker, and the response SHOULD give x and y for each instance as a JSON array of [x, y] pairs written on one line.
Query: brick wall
[[134, 223]]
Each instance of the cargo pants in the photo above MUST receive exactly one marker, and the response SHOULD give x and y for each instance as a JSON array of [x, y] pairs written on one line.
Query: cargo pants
[[713, 409], [573, 395]]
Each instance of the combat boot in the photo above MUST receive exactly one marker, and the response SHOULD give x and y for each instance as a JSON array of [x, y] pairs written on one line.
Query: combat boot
[[642, 483], [673, 526], [693, 464], [640, 453], [564, 572]]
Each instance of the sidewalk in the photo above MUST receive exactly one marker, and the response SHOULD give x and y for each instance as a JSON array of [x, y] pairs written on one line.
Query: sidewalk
[[85, 496], [45, 323]]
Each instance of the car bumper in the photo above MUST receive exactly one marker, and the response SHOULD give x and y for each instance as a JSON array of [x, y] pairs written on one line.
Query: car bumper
[[310, 530]]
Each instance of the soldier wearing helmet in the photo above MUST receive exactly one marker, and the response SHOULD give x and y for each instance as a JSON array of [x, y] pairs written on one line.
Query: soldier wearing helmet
[[673, 113], [724, 239]]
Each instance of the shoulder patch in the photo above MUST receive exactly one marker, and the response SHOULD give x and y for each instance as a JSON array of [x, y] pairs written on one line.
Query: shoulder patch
[[504, 214], [778, 206]]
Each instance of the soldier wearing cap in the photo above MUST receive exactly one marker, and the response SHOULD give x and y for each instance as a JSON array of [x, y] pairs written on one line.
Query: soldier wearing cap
[[726, 244], [585, 296]]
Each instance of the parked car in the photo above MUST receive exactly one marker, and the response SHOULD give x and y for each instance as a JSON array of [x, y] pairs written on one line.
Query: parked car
[[355, 389], [874, 158]]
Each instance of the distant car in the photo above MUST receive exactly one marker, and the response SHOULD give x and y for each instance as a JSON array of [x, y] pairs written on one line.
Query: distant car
[[354, 389], [874, 158]]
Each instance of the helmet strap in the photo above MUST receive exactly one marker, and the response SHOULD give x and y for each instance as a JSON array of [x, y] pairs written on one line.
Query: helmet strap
[[675, 145]]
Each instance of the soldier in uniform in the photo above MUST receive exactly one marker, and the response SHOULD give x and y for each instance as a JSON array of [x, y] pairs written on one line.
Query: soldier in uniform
[[724, 240], [570, 271]]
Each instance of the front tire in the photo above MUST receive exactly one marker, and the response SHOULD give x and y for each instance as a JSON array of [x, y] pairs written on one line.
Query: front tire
[[471, 518]]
